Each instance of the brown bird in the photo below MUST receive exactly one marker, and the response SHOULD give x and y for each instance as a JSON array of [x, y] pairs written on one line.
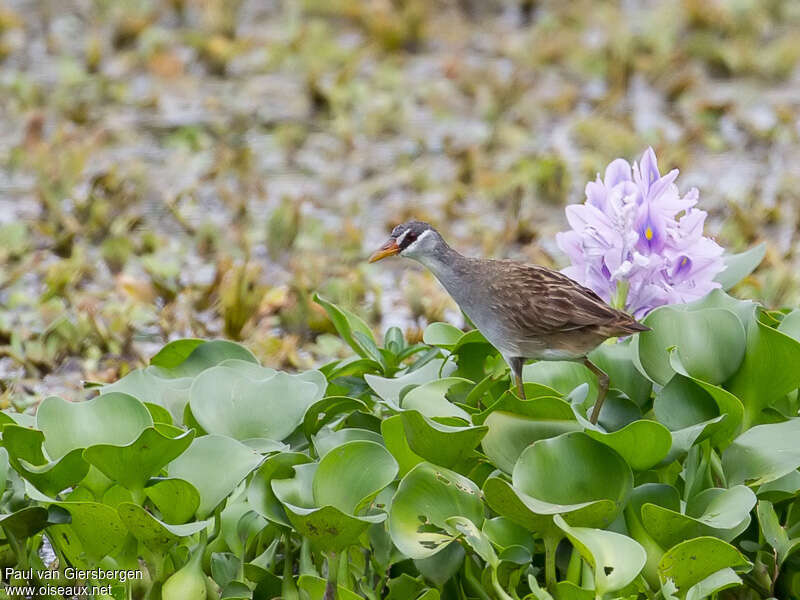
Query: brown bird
[[525, 311]]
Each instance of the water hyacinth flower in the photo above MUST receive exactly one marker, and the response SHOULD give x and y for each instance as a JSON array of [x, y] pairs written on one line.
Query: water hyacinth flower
[[637, 242]]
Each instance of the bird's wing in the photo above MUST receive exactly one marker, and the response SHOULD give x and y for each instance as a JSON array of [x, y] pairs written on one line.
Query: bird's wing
[[551, 301]]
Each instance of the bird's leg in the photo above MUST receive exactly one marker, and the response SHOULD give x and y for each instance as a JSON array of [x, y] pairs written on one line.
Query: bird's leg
[[516, 364], [602, 380]]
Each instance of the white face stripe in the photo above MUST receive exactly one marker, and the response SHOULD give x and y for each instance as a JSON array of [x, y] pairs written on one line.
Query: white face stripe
[[403, 235], [417, 241]]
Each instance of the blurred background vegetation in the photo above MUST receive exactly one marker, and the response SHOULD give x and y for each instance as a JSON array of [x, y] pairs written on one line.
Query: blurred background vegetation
[[201, 167]]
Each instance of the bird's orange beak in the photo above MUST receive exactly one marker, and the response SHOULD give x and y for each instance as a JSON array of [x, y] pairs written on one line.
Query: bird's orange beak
[[390, 248]]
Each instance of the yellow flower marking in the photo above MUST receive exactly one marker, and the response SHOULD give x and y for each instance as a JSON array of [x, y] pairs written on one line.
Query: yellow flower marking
[[648, 233]]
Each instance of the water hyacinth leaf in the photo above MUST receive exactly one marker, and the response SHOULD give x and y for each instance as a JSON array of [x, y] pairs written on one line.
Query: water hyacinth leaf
[[156, 535], [260, 496], [616, 359], [440, 444], [690, 562], [659, 494], [323, 411], [426, 497], [24, 447], [351, 475], [146, 385], [710, 342], [390, 390], [176, 499], [727, 404], [713, 584], [30, 520], [763, 453], [394, 436], [572, 474], [771, 369], [474, 537], [113, 418], [643, 444], [202, 357], [175, 352], [328, 440], [615, 559], [443, 335], [790, 325], [509, 434], [717, 512], [738, 266], [327, 528], [513, 542], [541, 403], [95, 531], [780, 489], [228, 403], [214, 465], [775, 534], [430, 399], [346, 324], [134, 464], [249, 369], [562, 376]]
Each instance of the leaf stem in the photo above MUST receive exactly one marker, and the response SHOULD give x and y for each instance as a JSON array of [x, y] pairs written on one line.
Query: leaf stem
[[501, 593], [550, 547]]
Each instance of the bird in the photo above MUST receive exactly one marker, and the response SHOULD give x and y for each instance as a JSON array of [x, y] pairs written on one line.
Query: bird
[[524, 311]]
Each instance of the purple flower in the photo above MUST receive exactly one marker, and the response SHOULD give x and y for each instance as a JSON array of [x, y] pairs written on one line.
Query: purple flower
[[637, 242]]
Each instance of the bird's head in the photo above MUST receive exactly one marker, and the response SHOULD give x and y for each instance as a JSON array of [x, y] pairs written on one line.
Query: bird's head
[[413, 239]]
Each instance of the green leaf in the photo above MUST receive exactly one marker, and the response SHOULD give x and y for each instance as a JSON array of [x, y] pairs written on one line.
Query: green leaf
[[710, 342], [228, 403], [157, 535], [214, 465], [427, 496], [148, 386], [327, 528], [562, 376], [717, 512], [328, 440], [443, 335], [430, 399], [205, 356], [394, 436], [771, 369], [616, 359], [175, 353], [509, 434], [133, 464], [95, 531], [113, 418], [351, 475], [346, 324], [739, 266], [25, 454], [615, 559], [177, 499], [440, 444], [323, 411], [30, 520], [774, 533], [643, 444], [690, 562], [572, 474], [390, 389], [763, 453], [713, 584], [515, 543], [260, 496]]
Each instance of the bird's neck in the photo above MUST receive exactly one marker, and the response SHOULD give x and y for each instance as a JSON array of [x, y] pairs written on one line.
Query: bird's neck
[[447, 265]]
